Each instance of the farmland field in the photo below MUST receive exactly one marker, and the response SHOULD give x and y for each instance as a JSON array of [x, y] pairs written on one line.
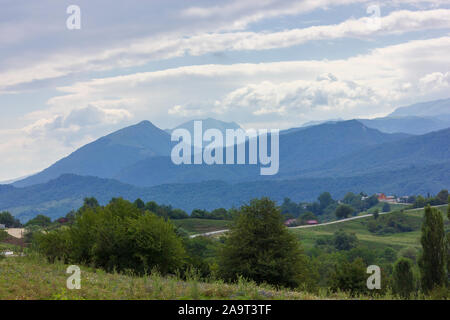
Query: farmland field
[[397, 241]]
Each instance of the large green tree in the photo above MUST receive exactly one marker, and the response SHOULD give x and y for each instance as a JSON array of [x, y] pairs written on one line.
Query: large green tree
[[433, 259], [403, 278], [343, 211], [259, 247]]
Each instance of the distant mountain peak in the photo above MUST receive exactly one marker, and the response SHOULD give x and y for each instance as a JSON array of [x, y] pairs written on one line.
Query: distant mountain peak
[[424, 109]]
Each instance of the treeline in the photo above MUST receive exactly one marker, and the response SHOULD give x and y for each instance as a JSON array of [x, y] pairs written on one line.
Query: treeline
[[124, 237], [164, 211], [326, 207], [421, 202]]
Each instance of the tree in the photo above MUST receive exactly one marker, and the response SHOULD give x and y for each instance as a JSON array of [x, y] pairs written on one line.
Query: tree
[[139, 203], [386, 207], [325, 200], [442, 197], [119, 237], [343, 211], [39, 220], [349, 277], [90, 203], [432, 262], [8, 220], [376, 214], [259, 247], [403, 278], [344, 241]]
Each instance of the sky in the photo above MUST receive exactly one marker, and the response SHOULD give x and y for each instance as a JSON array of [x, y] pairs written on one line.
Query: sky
[[271, 64]]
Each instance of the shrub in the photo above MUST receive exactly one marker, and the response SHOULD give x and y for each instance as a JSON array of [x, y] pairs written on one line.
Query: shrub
[[403, 278], [349, 277], [118, 237], [344, 241]]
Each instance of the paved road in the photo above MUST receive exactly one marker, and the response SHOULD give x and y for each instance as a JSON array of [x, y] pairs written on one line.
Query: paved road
[[207, 234]]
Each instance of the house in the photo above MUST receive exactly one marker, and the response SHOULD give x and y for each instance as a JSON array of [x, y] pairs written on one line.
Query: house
[[62, 220], [311, 222], [2, 226], [288, 222], [381, 197]]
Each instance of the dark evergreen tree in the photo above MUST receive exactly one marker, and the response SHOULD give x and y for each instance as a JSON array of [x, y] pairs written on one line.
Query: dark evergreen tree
[[433, 259]]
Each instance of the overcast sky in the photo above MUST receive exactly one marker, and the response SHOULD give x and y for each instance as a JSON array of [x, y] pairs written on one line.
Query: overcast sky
[[261, 63]]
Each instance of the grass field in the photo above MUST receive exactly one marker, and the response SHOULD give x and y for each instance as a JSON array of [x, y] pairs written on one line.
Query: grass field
[[397, 241], [194, 226], [32, 278]]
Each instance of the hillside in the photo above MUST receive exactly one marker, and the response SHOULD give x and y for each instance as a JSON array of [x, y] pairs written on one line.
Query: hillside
[[61, 195], [428, 149], [408, 124], [32, 278], [398, 240], [108, 155], [315, 145]]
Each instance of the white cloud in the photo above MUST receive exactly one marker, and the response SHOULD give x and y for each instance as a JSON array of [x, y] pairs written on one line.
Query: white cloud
[[295, 90], [165, 47], [435, 81]]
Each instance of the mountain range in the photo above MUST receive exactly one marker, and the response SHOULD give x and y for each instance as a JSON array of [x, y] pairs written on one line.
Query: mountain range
[[335, 156]]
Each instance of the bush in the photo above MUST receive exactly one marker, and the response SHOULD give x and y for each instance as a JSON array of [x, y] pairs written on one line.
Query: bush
[[349, 277], [403, 278], [3, 235], [344, 241], [118, 237]]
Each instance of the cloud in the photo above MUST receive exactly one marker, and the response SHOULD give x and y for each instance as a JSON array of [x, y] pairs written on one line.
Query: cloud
[[76, 125], [290, 91], [435, 81], [141, 51]]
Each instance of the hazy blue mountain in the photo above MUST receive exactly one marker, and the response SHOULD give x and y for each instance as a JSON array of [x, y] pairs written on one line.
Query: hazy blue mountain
[[208, 123], [108, 155], [408, 124], [428, 149], [316, 145], [57, 197], [161, 170], [424, 109], [299, 150]]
